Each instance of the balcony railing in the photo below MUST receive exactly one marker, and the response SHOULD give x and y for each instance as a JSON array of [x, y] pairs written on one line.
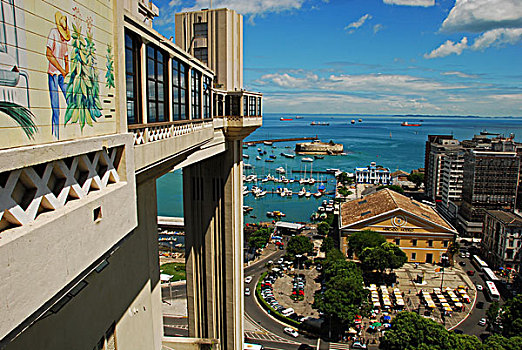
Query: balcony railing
[[150, 132]]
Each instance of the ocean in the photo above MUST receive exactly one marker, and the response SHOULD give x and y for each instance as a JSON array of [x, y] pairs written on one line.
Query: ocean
[[379, 139]]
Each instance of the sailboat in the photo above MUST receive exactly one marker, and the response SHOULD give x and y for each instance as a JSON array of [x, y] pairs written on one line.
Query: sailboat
[[302, 192]]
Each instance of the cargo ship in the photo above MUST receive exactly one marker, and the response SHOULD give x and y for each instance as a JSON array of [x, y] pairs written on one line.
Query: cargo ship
[[410, 124], [285, 119]]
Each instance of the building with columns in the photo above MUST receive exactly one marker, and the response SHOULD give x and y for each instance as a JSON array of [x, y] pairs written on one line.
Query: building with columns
[[96, 105]]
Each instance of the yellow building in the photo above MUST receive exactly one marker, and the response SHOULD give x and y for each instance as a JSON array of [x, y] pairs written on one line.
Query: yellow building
[[415, 227]]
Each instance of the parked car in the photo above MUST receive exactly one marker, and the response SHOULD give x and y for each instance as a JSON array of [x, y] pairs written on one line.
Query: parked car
[[247, 291], [248, 279], [291, 331], [470, 272], [468, 254], [358, 345], [479, 287], [482, 322]]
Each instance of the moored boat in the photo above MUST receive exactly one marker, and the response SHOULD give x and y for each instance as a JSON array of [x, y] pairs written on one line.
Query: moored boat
[[307, 159], [410, 124]]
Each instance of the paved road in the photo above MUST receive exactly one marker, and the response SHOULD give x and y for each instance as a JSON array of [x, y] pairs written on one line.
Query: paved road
[[470, 325]]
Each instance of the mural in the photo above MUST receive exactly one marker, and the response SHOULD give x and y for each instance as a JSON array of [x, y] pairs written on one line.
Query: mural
[[14, 82], [83, 90], [57, 70]]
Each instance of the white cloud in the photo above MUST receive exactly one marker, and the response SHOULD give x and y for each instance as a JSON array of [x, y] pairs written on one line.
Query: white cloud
[[374, 83], [357, 24], [497, 37], [460, 74], [448, 48], [423, 3], [377, 28], [483, 15], [250, 7]]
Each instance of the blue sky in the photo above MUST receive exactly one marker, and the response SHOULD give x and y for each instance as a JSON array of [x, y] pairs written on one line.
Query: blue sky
[[444, 57]]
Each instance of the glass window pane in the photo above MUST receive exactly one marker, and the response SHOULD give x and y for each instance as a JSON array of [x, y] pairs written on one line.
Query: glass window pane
[[182, 96], [128, 40], [152, 112], [161, 92], [175, 96], [129, 67], [151, 90], [161, 112], [150, 51], [183, 112], [151, 68], [130, 111], [160, 71], [129, 82]]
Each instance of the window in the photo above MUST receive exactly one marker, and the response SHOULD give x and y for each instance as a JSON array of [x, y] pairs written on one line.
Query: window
[[207, 88], [446, 244], [179, 90], [430, 243], [201, 53], [245, 105], [132, 74], [252, 106], [414, 242], [200, 30], [397, 241], [413, 256], [259, 106], [196, 94], [156, 85]]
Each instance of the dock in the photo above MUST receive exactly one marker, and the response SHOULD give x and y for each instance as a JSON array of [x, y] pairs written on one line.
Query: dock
[[282, 140], [307, 172]]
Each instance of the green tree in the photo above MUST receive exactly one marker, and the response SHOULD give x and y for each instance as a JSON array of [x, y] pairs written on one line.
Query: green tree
[[328, 244], [492, 312], [499, 342], [344, 295], [409, 331], [512, 317], [299, 245], [344, 178], [323, 228], [417, 179], [385, 256], [259, 238], [343, 191], [365, 239]]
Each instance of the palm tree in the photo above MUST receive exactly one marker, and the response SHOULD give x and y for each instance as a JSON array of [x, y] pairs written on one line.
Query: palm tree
[[21, 115]]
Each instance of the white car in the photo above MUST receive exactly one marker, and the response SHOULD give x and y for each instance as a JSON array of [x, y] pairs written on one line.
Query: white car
[[291, 331], [358, 345], [248, 279], [482, 322], [479, 287], [247, 291]]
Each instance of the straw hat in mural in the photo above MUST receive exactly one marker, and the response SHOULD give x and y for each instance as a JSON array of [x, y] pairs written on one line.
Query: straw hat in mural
[[61, 24]]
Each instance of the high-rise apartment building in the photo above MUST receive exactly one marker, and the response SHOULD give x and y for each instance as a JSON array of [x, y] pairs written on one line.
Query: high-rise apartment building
[[436, 148], [451, 183], [96, 105], [490, 181]]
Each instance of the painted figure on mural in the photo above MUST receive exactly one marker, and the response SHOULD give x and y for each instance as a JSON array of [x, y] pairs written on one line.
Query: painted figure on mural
[[58, 56]]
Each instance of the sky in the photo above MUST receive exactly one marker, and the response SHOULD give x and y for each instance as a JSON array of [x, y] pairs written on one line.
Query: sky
[[438, 57]]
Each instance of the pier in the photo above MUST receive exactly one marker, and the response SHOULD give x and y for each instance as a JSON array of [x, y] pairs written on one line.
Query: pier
[[282, 140]]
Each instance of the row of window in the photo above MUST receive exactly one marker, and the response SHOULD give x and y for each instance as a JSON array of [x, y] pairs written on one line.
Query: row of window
[[158, 98], [429, 243]]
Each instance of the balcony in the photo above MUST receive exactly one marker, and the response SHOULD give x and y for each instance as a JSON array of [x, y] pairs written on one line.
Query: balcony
[[156, 142], [237, 112]]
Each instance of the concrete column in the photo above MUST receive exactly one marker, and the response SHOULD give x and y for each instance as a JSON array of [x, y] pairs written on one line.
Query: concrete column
[[213, 201]]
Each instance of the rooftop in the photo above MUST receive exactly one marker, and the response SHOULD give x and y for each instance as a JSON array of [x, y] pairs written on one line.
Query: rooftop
[[506, 217], [385, 201]]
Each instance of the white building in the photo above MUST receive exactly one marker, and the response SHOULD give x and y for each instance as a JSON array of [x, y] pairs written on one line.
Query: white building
[[373, 174]]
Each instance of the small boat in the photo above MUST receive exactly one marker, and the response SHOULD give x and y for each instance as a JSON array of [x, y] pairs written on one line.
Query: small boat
[[245, 145], [360, 120], [353, 121], [269, 160], [298, 117], [273, 156], [308, 194], [332, 170], [268, 143], [287, 155], [317, 194], [408, 124], [258, 158], [259, 149], [486, 133], [280, 170], [321, 188], [318, 157], [247, 166], [246, 156], [319, 123], [307, 159], [285, 119]]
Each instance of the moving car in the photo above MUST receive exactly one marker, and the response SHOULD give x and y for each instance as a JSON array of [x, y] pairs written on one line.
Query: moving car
[[248, 279], [479, 287], [291, 331], [482, 322], [247, 291]]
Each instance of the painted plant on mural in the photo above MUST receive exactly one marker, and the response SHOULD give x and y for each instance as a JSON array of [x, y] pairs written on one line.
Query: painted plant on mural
[[83, 90], [109, 76], [14, 82]]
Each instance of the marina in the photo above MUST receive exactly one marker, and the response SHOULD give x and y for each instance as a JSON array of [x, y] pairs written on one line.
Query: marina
[[363, 143]]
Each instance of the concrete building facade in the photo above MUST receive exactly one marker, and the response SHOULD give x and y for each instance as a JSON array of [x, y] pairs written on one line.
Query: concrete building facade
[[502, 239], [372, 174], [97, 106], [415, 227]]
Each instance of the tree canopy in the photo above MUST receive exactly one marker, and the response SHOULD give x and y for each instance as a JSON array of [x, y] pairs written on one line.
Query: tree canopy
[[409, 331], [395, 188], [323, 228], [328, 244], [258, 239], [385, 256], [364, 239], [512, 317], [416, 178], [299, 245]]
